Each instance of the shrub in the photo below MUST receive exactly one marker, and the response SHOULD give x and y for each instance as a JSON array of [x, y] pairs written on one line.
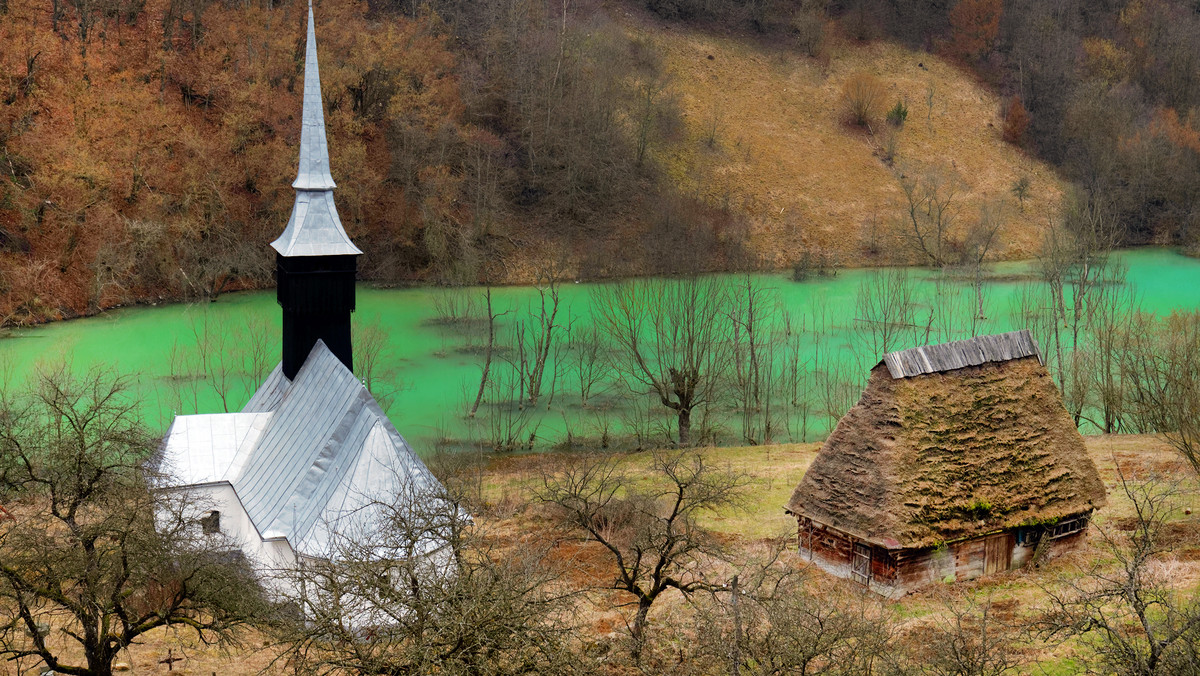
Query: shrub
[[808, 27], [1016, 121], [1020, 190], [862, 95], [898, 114]]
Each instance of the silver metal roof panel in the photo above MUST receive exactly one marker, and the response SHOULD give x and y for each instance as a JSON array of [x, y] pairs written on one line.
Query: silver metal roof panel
[[210, 447], [269, 393], [309, 459], [327, 455], [314, 228]]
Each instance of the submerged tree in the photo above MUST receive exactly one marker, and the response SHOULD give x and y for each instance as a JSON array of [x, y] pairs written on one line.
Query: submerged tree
[[1161, 367], [92, 549], [671, 336]]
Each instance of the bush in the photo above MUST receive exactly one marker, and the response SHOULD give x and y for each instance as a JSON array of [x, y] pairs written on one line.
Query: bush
[[898, 114], [1016, 121], [808, 27], [862, 95], [1020, 190]]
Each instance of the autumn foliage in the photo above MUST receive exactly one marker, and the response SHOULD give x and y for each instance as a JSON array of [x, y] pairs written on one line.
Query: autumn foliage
[[974, 25], [149, 146], [1016, 121]]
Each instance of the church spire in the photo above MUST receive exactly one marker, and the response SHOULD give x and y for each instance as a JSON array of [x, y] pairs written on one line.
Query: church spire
[[314, 228], [316, 262], [313, 173]]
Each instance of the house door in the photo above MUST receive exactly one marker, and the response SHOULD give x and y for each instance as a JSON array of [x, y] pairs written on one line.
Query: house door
[[997, 553], [860, 567]]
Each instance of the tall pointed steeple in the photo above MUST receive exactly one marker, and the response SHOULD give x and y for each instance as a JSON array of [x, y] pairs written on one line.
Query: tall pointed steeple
[[314, 228], [316, 261]]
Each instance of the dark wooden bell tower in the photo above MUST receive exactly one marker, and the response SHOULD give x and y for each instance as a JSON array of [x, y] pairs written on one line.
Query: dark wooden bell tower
[[316, 262], [317, 297]]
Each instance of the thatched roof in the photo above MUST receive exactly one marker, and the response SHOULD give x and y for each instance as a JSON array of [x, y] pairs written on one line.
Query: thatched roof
[[932, 458]]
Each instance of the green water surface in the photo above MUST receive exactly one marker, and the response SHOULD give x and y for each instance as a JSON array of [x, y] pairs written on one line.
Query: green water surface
[[433, 378]]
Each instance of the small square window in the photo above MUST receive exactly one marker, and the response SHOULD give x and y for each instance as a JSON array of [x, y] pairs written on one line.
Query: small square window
[[211, 524]]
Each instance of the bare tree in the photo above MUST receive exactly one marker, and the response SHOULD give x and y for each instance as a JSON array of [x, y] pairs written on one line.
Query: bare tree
[[1161, 368], [671, 339], [92, 549], [777, 620], [511, 424], [884, 311], [754, 320], [1125, 606], [797, 378], [588, 361], [980, 240], [533, 342], [1075, 256], [489, 349], [651, 533], [1106, 348], [930, 210], [863, 98], [375, 360], [426, 591], [969, 639], [218, 358]]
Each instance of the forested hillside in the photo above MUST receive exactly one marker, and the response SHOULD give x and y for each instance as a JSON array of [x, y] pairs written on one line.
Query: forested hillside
[[147, 145]]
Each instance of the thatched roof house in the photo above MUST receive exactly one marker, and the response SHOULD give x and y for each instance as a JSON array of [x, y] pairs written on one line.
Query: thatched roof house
[[949, 446]]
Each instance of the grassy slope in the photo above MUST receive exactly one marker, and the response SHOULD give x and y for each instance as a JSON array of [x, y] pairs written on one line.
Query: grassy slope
[[805, 179]]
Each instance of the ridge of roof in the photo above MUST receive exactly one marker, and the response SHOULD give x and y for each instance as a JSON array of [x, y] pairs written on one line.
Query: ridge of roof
[[925, 359], [309, 459]]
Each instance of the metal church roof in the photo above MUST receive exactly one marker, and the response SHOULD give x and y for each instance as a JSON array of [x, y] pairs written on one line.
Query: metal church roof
[[314, 228], [961, 353], [308, 458]]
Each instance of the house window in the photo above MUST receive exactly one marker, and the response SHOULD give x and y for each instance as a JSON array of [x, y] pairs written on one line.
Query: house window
[[211, 524], [1068, 527]]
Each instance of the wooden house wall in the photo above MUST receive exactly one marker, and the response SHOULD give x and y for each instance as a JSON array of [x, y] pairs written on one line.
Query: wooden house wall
[[895, 572], [833, 550]]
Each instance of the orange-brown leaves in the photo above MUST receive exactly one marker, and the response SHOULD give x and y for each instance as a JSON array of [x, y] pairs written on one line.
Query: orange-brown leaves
[[974, 25], [154, 156], [1181, 133], [1016, 121]]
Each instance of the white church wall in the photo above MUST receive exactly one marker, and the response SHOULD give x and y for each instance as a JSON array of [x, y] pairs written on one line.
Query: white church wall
[[271, 558]]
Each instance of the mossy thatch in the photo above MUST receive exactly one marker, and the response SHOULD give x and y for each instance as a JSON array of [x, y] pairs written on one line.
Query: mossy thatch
[[944, 456]]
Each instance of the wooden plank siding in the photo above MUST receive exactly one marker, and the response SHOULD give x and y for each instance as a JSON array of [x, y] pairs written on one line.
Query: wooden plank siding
[[894, 572]]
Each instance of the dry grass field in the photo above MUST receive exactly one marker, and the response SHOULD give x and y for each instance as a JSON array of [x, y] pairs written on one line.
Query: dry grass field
[[782, 153], [772, 473]]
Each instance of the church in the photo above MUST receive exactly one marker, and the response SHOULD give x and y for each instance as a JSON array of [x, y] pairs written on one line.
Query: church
[[312, 456]]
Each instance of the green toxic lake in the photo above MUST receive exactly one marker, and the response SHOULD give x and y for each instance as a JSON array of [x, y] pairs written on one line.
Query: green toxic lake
[[428, 369]]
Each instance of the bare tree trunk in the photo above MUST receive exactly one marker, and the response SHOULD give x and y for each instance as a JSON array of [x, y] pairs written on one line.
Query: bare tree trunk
[[489, 349], [638, 631], [685, 426]]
